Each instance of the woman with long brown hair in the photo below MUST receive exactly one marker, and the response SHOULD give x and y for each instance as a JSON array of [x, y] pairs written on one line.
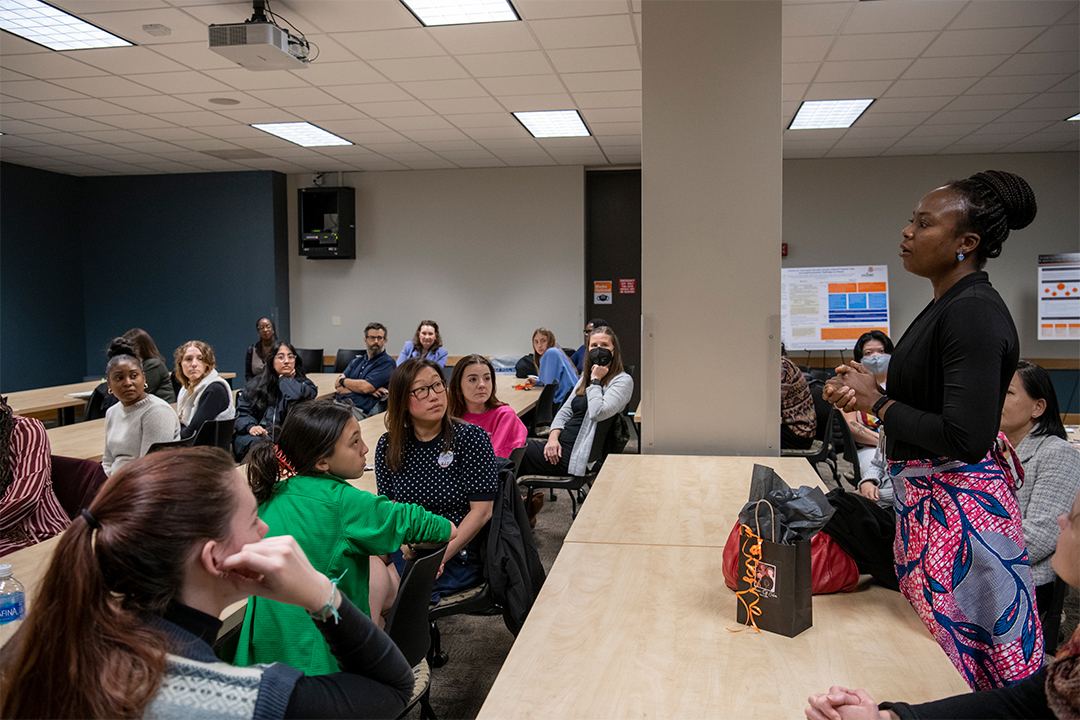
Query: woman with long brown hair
[[547, 364], [472, 398], [425, 345], [205, 395], [122, 624], [158, 381], [428, 458]]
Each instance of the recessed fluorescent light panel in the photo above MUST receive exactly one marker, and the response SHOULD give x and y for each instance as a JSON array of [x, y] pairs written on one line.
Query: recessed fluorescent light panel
[[1074, 117], [820, 114], [553, 123], [53, 28], [302, 133], [452, 12]]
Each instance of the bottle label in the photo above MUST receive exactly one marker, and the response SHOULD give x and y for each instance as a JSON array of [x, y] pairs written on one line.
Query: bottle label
[[12, 608]]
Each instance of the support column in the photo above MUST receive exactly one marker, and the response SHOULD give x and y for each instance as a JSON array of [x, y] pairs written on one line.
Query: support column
[[711, 226]]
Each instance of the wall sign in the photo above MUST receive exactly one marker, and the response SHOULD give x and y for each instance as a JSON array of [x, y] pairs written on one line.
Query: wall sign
[[1059, 297], [828, 308], [628, 287], [601, 292]]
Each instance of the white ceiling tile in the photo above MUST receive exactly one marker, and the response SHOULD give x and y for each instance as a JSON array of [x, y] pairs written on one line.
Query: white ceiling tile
[[621, 99], [28, 111], [85, 108], [793, 93], [483, 120], [386, 44], [793, 143], [202, 100], [846, 90], [540, 9], [219, 12], [113, 136], [465, 106], [148, 146], [909, 104], [153, 104], [242, 79], [1013, 127], [376, 92], [502, 64], [960, 117], [349, 15], [524, 143], [806, 49], [857, 70], [1035, 144], [584, 32], [484, 38], [326, 49], [126, 61], [797, 153], [39, 90], [801, 20], [1011, 13], [898, 119], [1037, 115], [129, 25], [980, 149], [1060, 38], [314, 113], [614, 115], [799, 72], [173, 133], [174, 83], [930, 86], [1069, 84], [426, 122], [996, 138], [207, 144], [917, 146], [294, 97], [442, 146], [878, 144], [622, 57], [443, 89], [75, 124], [195, 55], [627, 128], [988, 102], [892, 17], [523, 85], [880, 46], [235, 132], [390, 149], [945, 131], [397, 109], [7, 75], [992, 41], [1014, 84], [864, 132], [23, 127], [602, 81], [426, 68], [1040, 64], [259, 115], [554, 101], [1065, 99], [46, 66], [192, 119], [426, 136], [969, 66], [322, 74], [105, 86], [11, 44]]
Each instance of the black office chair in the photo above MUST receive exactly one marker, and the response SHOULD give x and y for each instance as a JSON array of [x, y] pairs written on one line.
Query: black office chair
[[575, 486], [311, 361], [216, 433], [188, 442], [98, 402], [851, 450], [515, 457], [344, 357], [407, 623], [821, 450], [544, 412]]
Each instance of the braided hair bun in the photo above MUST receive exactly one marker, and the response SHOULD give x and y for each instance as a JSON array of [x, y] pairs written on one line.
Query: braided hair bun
[[997, 202]]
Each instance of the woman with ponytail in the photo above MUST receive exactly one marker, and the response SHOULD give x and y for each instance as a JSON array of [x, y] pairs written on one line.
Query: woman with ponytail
[[300, 484], [126, 613], [959, 548]]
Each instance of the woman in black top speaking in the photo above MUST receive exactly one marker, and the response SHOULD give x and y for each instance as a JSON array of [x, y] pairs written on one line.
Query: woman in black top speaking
[[959, 547]]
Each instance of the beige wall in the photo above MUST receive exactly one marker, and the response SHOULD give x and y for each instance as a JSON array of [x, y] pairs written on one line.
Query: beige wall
[[489, 254], [851, 211]]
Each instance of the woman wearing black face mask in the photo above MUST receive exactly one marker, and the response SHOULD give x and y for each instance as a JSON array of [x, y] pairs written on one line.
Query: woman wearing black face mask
[[873, 350], [603, 391]]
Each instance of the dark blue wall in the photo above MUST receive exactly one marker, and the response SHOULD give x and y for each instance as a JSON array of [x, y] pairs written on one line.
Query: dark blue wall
[[42, 340], [184, 257]]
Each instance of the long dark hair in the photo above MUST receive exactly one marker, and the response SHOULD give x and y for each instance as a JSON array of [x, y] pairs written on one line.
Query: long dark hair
[[399, 420], [455, 397], [614, 369], [1038, 385], [86, 649], [144, 344], [308, 435], [263, 390]]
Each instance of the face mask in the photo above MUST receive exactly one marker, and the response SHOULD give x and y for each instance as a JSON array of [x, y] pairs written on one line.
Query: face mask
[[600, 356], [876, 364]]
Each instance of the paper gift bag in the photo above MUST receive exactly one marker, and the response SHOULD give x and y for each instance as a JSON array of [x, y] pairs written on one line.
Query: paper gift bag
[[773, 587]]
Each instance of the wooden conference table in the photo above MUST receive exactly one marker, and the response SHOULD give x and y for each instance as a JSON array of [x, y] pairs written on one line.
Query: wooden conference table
[[634, 620]]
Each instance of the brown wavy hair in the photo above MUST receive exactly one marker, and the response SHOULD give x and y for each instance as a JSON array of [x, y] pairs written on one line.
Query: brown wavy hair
[[86, 650], [144, 344], [455, 398], [614, 369], [551, 343], [207, 356], [417, 345], [399, 420]]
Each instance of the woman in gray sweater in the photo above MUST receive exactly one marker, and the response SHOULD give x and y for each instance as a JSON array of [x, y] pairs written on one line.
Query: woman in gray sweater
[[140, 419]]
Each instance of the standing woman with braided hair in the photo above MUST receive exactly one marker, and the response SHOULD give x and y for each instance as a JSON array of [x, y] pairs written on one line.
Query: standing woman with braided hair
[[959, 548]]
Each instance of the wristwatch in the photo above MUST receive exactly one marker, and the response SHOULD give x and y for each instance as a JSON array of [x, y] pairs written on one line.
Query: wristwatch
[[595, 381]]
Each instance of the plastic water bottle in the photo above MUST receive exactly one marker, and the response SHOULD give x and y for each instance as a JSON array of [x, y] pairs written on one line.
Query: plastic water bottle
[[12, 602]]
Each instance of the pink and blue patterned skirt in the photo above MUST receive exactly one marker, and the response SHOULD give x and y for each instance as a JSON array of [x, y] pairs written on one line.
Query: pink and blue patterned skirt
[[962, 564]]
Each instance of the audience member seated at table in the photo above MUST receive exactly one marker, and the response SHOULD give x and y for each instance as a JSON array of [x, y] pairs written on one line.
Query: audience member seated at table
[[1032, 422], [301, 487], [798, 418], [260, 350], [426, 345], [364, 381], [604, 390], [124, 620], [873, 349], [141, 419], [472, 398], [578, 358], [267, 399], [204, 394], [547, 364], [158, 379], [29, 509], [430, 459], [1053, 691]]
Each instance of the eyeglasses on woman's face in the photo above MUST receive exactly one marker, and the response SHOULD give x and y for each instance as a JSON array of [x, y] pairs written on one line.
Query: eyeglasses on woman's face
[[284, 357], [421, 393]]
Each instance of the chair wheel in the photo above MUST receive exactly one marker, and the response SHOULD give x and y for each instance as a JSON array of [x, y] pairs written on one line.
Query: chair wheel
[[440, 659]]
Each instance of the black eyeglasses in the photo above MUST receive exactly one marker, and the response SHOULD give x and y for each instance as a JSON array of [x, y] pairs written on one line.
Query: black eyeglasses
[[421, 393], [375, 337]]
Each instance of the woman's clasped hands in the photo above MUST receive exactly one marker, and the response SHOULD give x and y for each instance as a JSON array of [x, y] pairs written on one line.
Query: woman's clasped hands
[[852, 389]]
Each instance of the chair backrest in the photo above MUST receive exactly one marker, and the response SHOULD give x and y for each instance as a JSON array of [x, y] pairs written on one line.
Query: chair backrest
[[407, 621], [173, 444], [599, 443], [344, 357], [544, 412], [851, 450], [216, 433], [95, 404], [311, 361], [515, 457], [76, 482], [176, 384], [824, 410]]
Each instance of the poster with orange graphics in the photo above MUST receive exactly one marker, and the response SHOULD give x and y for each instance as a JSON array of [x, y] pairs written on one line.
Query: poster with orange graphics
[[1059, 297]]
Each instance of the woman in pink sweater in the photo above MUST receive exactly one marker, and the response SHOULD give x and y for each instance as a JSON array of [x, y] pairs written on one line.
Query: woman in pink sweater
[[472, 398]]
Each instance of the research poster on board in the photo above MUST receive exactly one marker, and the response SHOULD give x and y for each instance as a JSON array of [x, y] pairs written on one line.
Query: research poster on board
[[1059, 297], [828, 308]]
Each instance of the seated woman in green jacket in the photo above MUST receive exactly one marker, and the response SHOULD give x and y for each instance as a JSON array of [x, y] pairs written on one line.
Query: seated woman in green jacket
[[301, 489]]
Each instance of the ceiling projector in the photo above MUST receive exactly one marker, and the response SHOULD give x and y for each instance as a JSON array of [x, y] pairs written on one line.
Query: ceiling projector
[[259, 43]]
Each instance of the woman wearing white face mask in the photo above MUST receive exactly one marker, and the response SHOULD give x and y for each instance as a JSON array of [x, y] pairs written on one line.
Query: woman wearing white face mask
[[873, 350]]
